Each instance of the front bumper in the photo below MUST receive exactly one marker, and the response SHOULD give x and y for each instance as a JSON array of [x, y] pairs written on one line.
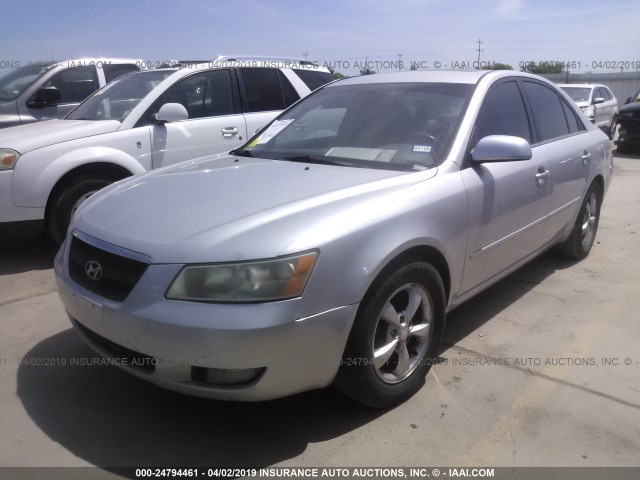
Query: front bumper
[[292, 354], [10, 212], [629, 134]]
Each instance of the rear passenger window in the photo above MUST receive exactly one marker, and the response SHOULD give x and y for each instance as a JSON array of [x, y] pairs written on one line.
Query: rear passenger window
[[548, 115], [313, 78], [266, 89], [75, 83], [503, 113], [113, 71], [575, 125]]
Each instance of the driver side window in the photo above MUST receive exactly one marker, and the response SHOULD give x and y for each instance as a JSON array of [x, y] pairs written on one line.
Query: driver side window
[[503, 113], [75, 83], [206, 94]]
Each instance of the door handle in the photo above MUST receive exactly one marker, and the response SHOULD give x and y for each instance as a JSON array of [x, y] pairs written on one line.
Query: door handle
[[229, 132], [541, 176], [586, 158]]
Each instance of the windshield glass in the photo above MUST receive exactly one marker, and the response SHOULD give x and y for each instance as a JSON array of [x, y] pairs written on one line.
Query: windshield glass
[[578, 94], [116, 100], [15, 82], [393, 126]]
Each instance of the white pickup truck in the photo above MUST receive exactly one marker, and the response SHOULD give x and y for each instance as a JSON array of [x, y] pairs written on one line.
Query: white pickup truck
[[44, 90], [143, 120]]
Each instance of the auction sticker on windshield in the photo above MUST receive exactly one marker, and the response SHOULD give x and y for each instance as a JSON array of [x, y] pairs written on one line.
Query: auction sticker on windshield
[[275, 128]]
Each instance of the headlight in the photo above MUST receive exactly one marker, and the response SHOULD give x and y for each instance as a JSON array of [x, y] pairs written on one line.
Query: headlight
[[8, 158], [259, 281]]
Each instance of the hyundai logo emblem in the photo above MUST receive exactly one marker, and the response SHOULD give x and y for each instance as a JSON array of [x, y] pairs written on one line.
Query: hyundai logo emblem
[[93, 270]]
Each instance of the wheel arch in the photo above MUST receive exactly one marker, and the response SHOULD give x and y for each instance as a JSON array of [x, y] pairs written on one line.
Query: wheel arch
[[418, 253], [104, 169]]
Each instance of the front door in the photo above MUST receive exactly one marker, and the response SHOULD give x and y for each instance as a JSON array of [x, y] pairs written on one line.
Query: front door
[[507, 201], [214, 124]]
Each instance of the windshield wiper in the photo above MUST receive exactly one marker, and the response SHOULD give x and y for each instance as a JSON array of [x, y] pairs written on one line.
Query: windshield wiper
[[317, 160], [242, 153]]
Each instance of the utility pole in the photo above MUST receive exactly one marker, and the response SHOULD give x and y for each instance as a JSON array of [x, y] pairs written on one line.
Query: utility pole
[[399, 62], [479, 50], [305, 54]]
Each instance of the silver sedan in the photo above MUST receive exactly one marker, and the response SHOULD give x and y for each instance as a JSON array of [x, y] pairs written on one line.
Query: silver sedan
[[329, 249]]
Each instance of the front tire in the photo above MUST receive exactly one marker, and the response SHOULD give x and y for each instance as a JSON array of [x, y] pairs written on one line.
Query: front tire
[[613, 128], [67, 200], [395, 337], [579, 243]]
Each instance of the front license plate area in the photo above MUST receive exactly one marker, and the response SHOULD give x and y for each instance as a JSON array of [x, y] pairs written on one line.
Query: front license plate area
[[84, 310]]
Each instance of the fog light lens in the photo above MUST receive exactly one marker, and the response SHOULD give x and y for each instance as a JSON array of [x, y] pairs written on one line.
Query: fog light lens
[[226, 376]]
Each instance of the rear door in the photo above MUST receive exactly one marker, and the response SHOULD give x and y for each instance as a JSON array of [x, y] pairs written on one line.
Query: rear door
[[507, 201], [265, 92], [563, 138], [215, 124]]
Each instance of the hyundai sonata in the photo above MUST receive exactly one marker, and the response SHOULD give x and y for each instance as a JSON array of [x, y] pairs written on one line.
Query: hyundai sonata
[[330, 247]]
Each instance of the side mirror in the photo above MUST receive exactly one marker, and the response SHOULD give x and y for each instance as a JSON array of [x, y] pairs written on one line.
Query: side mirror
[[171, 112], [501, 148], [598, 100], [45, 97]]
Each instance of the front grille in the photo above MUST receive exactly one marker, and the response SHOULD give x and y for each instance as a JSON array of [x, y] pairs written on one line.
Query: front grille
[[127, 357], [103, 273]]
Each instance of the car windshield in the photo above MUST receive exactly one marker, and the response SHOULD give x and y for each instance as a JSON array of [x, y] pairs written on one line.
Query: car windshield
[[578, 94], [120, 97], [15, 82], [393, 126]]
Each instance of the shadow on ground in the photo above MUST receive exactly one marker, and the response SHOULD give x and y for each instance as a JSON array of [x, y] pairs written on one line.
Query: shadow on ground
[[473, 314], [110, 419], [32, 253]]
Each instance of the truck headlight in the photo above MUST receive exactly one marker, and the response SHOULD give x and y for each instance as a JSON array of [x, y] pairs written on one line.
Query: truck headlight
[[8, 158], [244, 282]]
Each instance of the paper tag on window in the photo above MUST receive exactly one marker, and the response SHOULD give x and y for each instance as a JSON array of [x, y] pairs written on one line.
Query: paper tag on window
[[275, 128], [422, 148]]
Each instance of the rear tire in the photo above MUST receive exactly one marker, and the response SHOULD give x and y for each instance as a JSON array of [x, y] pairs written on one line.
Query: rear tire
[[395, 337], [66, 202], [579, 243]]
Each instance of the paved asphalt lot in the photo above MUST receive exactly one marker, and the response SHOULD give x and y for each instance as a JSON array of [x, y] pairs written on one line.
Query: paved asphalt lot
[[562, 405]]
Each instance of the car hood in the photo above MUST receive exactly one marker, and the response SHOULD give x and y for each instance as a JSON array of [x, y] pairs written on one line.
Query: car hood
[[630, 107], [235, 208], [25, 138]]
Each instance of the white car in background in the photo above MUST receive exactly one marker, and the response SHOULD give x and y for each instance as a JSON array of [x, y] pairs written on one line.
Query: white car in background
[[596, 102], [143, 120], [45, 90]]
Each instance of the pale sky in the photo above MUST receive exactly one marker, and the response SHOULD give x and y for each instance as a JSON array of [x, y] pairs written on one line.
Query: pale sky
[[595, 36]]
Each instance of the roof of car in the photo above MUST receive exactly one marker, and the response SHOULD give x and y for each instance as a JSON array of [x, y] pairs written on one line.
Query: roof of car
[[580, 85], [441, 76], [95, 60]]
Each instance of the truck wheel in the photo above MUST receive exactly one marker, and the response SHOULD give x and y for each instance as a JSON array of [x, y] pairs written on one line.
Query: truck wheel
[[395, 337], [66, 202]]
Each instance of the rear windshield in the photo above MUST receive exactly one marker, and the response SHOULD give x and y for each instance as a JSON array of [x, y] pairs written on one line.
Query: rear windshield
[[313, 78]]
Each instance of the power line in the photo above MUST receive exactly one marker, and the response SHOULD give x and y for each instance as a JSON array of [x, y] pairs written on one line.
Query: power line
[[479, 50]]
